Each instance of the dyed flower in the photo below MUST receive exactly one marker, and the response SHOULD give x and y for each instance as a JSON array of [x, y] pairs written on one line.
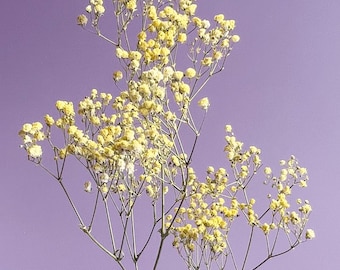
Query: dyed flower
[[87, 186], [310, 234], [190, 73], [34, 151], [117, 76], [82, 20], [204, 103], [235, 38]]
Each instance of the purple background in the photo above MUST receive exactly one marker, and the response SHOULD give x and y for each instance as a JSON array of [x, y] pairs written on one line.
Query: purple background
[[280, 91]]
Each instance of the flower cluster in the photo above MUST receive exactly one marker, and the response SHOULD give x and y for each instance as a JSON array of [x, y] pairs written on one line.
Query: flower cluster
[[31, 134], [201, 227], [291, 175], [133, 146]]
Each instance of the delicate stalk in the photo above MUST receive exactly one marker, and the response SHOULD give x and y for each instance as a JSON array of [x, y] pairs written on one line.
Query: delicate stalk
[[248, 247], [87, 232], [110, 225]]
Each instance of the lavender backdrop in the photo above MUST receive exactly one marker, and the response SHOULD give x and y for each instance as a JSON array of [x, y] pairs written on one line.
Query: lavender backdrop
[[280, 91]]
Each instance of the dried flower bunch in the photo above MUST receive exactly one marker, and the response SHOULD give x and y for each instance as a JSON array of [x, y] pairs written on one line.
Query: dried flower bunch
[[135, 146]]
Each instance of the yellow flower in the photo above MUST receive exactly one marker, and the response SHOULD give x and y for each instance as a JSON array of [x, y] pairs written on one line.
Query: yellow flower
[[191, 9], [26, 127], [99, 9], [60, 104], [121, 188], [82, 20], [225, 43], [305, 209], [87, 186], [302, 171], [310, 234], [210, 170], [178, 75], [88, 8], [182, 37], [265, 228], [152, 12], [142, 35], [204, 103], [117, 75], [205, 24], [268, 171], [134, 64], [135, 55], [121, 53], [190, 73], [184, 88], [228, 128], [235, 38], [49, 120], [217, 55], [131, 5], [219, 18], [303, 183], [34, 151], [104, 189], [206, 61], [228, 24]]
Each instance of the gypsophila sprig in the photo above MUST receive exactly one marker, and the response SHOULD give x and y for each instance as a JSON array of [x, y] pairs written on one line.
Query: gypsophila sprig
[[134, 147]]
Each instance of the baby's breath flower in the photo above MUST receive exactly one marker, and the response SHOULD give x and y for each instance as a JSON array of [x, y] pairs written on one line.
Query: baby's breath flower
[[104, 188], [217, 55], [131, 5], [267, 170], [117, 75], [205, 24], [178, 75], [210, 170], [136, 148], [26, 127], [88, 8], [34, 151], [134, 64], [182, 37], [310, 234], [206, 61], [135, 55], [99, 9], [235, 38], [49, 120], [305, 209], [225, 43], [87, 186], [303, 183], [82, 20], [219, 18], [120, 53], [228, 128], [204, 103], [265, 228], [190, 73]]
